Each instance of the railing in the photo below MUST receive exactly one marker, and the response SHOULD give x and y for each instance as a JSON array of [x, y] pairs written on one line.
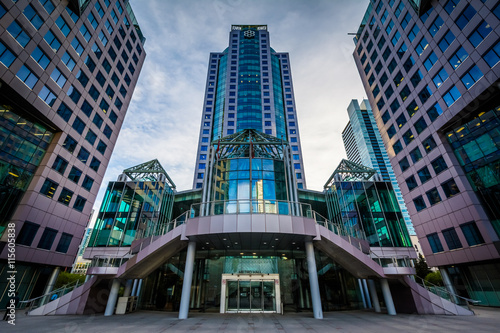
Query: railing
[[105, 261], [396, 261], [337, 228], [444, 293], [37, 302], [163, 228], [254, 206]]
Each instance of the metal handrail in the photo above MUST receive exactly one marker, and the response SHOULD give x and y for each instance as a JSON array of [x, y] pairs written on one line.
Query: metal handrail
[[36, 302], [394, 261], [440, 291]]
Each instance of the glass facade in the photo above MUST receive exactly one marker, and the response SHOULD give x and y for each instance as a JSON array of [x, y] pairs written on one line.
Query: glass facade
[[476, 145], [129, 207], [370, 207], [22, 146]]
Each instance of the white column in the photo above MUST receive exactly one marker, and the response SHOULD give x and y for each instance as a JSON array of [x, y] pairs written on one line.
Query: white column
[[360, 284], [188, 279], [386, 291], [373, 294], [128, 288], [139, 286], [365, 288], [134, 288], [52, 280], [449, 286], [113, 296], [313, 280]]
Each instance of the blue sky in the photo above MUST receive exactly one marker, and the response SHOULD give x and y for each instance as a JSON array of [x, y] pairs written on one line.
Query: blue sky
[[163, 119]]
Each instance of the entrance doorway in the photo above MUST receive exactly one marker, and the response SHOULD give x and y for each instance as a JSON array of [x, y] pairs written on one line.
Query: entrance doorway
[[245, 293]]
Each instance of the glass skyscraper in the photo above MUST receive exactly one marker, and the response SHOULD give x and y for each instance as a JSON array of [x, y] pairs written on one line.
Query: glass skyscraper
[[249, 86], [364, 145]]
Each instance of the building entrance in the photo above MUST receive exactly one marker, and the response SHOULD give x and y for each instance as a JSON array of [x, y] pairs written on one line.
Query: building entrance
[[245, 293]]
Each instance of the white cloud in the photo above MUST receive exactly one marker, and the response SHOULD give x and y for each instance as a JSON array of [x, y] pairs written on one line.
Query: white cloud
[[165, 113]]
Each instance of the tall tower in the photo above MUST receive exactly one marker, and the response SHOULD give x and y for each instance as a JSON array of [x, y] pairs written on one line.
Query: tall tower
[[249, 86], [67, 73], [431, 72], [364, 145]]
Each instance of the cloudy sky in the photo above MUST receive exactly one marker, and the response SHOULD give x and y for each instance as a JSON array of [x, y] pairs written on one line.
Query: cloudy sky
[[163, 119]]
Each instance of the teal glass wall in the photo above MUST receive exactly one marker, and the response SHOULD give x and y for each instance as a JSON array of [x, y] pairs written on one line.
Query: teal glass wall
[[278, 99], [125, 207], [244, 181], [249, 105], [371, 207], [220, 101], [22, 146], [477, 147]]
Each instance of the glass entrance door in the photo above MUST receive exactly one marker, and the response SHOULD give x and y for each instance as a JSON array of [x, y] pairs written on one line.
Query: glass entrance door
[[250, 293]]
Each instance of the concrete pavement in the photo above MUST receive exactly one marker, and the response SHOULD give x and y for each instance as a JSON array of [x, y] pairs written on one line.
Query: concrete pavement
[[486, 320]]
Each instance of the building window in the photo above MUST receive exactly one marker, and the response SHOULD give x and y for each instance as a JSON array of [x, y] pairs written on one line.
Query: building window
[[450, 6], [6, 56], [49, 188], [19, 34], [419, 203], [91, 137], [83, 155], [65, 196], [435, 243], [465, 16], [439, 165], [422, 45], [33, 16], [416, 78], [27, 76], [425, 94], [415, 155], [411, 182], [78, 125], [68, 61], [424, 175], [60, 164], [95, 164], [451, 96], [434, 111], [440, 77], [64, 242], [450, 188], [480, 33], [87, 183], [451, 238], [70, 144], [408, 137], [58, 77], [74, 94], [27, 233], [101, 147], [75, 174], [459, 56], [391, 131], [471, 233], [420, 125], [404, 164], [397, 147], [436, 25], [446, 41], [47, 239], [429, 143], [471, 77], [48, 5], [433, 196]]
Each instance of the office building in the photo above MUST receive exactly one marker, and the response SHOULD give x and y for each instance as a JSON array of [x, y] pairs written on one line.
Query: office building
[[67, 73], [249, 239], [364, 145], [430, 70]]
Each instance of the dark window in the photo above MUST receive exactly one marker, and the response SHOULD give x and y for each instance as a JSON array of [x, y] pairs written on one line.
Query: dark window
[[90, 64], [405, 92], [420, 125], [87, 183], [425, 94], [451, 238], [472, 234], [27, 233], [391, 131], [82, 78], [47, 238], [98, 121], [450, 6], [107, 131], [415, 155], [480, 33], [94, 93], [113, 117], [395, 106], [79, 203], [100, 79], [433, 196], [75, 174], [104, 106], [86, 108], [435, 243], [419, 203], [94, 164], [416, 78], [91, 137], [429, 143], [65, 196], [397, 146], [465, 16], [22, 37], [83, 155], [101, 147], [70, 144], [78, 125], [401, 120], [60, 164], [64, 242], [424, 174], [74, 94], [408, 137], [450, 188], [49, 188], [439, 165], [64, 111], [386, 117], [411, 182], [434, 111], [404, 164]]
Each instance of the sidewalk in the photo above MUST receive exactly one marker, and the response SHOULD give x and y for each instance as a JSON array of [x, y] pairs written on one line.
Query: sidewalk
[[486, 320]]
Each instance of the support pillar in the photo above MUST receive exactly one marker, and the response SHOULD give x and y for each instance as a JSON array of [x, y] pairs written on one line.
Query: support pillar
[[139, 286], [113, 297], [373, 294], [386, 291], [449, 286], [52, 280], [134, 288], [313, 280], [360, 284], [188, 279], [128, 288], [365, 288]]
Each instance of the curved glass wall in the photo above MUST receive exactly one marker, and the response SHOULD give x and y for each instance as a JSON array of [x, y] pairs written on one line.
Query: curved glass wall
[[250, 185], [249, 113]]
